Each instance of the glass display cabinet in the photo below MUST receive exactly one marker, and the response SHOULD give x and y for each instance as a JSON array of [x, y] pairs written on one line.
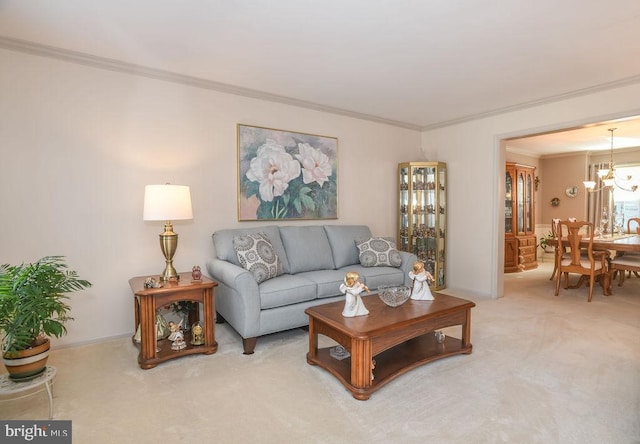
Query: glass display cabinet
[[422, 215], [519, 238]]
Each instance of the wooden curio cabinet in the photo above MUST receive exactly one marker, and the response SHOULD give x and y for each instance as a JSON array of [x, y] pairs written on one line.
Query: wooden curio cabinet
[[422, 215], [519, 218]]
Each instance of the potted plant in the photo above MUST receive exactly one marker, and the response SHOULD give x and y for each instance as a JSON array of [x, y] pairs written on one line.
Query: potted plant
[[544, 243], [33, 307]]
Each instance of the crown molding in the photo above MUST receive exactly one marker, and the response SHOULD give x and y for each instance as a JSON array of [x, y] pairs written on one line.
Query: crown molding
[[168, 76], [557, 98]]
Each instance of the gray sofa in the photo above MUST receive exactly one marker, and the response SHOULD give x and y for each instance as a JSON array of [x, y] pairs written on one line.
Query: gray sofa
[[314, 260]]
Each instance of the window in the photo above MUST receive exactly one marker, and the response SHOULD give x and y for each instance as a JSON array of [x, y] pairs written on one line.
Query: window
[[627, 203]]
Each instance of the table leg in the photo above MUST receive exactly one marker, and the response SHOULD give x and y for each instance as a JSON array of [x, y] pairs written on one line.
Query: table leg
[[466, 330], [605, 282], [147, 332], [361, 363], [209, 324], [313, 341], [47, 384], [578, 284]]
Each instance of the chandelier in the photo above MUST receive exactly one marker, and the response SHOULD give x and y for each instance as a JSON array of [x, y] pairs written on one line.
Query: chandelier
[[608, 176]]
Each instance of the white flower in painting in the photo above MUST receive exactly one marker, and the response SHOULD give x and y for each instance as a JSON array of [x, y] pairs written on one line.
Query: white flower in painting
[[315, 164], [274, 168]]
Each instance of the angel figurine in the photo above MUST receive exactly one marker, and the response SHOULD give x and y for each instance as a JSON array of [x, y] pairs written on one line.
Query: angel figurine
[[352, 287], [176, 336], [421, 278]]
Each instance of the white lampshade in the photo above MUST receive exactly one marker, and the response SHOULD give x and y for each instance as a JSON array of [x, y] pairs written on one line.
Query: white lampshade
[[602, 173], [608, 182], [589, 184], [167, 202]]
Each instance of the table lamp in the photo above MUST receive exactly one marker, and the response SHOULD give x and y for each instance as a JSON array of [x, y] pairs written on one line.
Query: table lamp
[[167, 202]]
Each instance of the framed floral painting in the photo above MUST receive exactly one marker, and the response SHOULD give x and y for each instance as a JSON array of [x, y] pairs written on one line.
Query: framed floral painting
[[286, 175]]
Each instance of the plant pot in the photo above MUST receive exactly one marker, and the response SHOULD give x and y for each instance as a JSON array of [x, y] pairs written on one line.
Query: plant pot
[[25, 364]]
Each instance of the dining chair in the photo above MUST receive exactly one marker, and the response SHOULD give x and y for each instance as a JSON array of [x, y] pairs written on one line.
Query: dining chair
[[556, 253], [586, 263], [631, 230], [621, 264], [556, 257]]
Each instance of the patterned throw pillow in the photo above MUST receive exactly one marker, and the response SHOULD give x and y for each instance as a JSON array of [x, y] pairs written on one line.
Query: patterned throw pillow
[[256, 254], [378, 252]]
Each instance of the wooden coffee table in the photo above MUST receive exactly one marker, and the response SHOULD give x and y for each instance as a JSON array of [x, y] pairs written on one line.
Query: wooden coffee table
[[387, 342]]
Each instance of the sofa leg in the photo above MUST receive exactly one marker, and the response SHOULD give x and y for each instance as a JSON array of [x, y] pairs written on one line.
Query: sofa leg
[[249, 345], [219, 319]]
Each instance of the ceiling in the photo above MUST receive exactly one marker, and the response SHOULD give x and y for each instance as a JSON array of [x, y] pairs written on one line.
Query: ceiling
[[593, 137], [413, 63]]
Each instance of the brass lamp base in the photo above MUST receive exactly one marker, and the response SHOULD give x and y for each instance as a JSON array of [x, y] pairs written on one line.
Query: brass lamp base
[[168, 245]]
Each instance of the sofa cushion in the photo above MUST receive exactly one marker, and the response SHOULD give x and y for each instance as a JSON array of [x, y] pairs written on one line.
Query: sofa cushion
[[256, 254], [379, 252], [286, 290], [223, 243], [327, 281], [374, 277], [307, 248], [342, 239]]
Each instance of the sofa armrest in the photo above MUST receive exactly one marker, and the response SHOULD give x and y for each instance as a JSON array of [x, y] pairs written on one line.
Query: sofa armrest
[[237, 296], [230, 274]]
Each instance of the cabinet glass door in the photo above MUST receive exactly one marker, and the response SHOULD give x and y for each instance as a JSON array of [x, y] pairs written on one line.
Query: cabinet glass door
[[441, 223], [508, 204], [520, 191], [403, 223], [422, 215], [529, 204]]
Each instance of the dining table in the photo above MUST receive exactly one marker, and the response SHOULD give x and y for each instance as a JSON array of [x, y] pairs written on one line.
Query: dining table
[[618, 243], [621, 243]]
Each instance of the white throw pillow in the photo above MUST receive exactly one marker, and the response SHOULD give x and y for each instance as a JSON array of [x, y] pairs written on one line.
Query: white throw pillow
[[378, 252], [256, 254]]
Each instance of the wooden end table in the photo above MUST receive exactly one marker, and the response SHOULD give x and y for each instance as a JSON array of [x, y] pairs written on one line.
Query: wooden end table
[[148, 300], [387, 342]]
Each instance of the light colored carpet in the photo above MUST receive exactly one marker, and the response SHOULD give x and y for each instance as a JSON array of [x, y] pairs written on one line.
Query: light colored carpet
[[544, 369]]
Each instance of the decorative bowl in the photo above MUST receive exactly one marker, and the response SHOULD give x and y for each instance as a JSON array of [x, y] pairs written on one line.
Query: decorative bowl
[[394, 296]]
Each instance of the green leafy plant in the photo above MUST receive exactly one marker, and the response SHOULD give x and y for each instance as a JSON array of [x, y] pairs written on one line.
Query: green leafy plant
[[544, 241], [181, 307], [33, 301]]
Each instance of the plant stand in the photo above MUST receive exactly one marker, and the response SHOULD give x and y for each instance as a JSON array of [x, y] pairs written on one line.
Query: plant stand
[[11, 390]]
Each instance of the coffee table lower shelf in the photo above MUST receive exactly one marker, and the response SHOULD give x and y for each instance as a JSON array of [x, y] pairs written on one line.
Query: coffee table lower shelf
[[390, 363]]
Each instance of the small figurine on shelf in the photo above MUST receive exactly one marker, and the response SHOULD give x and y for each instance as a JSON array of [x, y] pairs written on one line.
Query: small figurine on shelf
[[352, 288], [196, 274], [152, 283], [197, 334], [421, 278], [176, 336]]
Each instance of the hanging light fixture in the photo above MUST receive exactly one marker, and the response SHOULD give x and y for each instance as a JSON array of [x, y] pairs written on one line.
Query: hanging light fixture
[[608, 176]]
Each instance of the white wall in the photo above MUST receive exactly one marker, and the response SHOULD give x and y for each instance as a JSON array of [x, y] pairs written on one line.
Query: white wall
[[79, 144], [475, 158]]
